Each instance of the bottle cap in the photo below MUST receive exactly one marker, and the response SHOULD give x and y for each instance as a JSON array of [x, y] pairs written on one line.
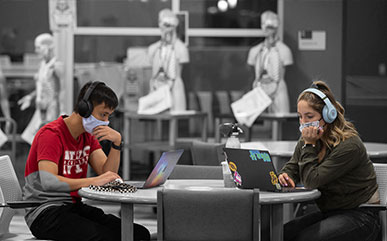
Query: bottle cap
[[229, 129]]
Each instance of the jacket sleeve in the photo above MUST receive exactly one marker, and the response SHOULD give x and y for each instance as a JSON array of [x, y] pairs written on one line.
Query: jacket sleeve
[[291, 167], [341, 160]]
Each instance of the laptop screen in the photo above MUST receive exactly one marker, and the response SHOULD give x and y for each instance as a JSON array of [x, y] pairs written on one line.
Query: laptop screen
[[163, 168]]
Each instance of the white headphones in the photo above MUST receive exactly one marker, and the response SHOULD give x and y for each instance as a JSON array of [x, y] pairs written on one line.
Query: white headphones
[[329, 112]]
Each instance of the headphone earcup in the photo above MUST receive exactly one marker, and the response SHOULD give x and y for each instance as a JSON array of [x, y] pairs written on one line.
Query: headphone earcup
[[329, 114], [84, 108]]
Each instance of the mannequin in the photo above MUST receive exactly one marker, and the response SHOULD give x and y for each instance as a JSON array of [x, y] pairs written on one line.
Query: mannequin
[[46, 94], [4, 103], [268, 60], [167, 57]]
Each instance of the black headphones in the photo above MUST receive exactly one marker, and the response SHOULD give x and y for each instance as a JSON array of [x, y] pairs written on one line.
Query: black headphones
[[85, 107]]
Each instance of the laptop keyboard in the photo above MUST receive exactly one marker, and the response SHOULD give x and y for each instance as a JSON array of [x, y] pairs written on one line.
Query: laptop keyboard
[[293, 189]]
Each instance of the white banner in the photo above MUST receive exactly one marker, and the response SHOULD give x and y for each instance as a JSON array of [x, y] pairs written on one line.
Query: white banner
[[155, 102], [3, 138], [33, 127], [250, 106]]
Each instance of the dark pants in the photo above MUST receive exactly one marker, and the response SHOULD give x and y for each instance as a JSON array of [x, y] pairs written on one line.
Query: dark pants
[[354, 224], [81, 222]]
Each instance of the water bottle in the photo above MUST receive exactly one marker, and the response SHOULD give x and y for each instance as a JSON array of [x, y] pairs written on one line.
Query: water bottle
[[232, 142]]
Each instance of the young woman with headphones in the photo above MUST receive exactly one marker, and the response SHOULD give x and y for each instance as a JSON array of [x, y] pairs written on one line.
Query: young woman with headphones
[[331, 157]]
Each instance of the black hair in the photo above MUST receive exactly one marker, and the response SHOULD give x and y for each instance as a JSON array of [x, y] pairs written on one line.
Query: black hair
[[101, 94]]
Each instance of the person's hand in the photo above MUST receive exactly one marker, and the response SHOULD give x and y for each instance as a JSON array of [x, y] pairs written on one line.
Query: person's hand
[[107, 133], [311, 134], [105, 178], [285, 180], [25, 102]]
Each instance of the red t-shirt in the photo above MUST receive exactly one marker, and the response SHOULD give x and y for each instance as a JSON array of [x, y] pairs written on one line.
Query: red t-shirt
[[53, 142]]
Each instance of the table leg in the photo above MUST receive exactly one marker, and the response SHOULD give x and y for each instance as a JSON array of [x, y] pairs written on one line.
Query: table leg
[[126, 154], [275, 130], [127, 229], [172, 131], [159, 128], [216, 129], [204, 130], [276, 222]]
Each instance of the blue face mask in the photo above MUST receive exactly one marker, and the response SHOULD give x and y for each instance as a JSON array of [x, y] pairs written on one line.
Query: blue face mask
[[314, 123], [91, 122]]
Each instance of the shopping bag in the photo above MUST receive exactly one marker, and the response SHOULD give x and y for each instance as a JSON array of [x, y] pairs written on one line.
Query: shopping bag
[[156, 101], [3, 138], [250, 106], [33, 127]]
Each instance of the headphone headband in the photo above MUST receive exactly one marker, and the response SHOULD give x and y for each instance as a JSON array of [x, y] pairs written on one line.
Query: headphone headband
[[329, 111], [85, 107], [90, 90]]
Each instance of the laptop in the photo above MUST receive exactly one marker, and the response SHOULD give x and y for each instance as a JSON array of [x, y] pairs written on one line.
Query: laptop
[[161, 171], [255, 169]]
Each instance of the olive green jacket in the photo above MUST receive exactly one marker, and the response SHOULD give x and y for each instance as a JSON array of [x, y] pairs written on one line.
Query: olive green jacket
[[345, 176]]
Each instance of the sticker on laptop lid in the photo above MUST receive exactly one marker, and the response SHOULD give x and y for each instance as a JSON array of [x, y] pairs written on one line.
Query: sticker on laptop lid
[[237, 178], [274, 179], [232, 166]]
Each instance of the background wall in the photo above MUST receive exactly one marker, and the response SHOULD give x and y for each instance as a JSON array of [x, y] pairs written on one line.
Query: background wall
[[327, 65], [352, 63], [20, 23]]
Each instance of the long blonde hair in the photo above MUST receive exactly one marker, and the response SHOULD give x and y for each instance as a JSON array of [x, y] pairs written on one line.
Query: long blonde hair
[[340, 129]]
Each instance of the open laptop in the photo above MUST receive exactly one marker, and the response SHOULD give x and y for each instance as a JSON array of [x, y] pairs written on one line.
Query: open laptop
[[161, 171], [255, 169]]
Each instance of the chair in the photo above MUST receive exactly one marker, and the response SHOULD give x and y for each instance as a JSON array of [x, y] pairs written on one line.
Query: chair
[[196, 172], [207, 153], [381, 178], [5, 61], [10, 196], [31, 59], [12, 123], [219, 214], [11, 190]]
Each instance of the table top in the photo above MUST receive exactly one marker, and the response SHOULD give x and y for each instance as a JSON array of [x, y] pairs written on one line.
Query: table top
[[166, 115], [264, 116], [149, 196], [286, 148]]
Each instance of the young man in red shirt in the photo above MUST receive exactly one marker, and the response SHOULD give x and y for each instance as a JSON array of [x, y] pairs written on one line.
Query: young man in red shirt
[[56, 169]]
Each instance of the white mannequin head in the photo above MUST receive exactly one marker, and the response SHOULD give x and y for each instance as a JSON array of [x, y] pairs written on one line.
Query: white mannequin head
[[269, 23], [167, 23], [44, 46]]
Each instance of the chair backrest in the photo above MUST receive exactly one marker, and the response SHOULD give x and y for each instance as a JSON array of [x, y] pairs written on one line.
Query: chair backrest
[[196, 172], [207, 153], [219, 214], [5, 61], [11, 190], [381, 178], [4, 122], [31, 59]]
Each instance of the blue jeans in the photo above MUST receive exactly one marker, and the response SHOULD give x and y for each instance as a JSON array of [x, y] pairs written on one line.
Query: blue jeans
[[341, 225]]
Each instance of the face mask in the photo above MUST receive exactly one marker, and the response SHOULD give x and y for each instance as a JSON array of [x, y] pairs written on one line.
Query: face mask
[[314, 123], [91, 122]]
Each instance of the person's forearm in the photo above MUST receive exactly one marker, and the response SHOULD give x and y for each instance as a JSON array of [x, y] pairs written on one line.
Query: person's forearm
[[76, 184], [113, 161]]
